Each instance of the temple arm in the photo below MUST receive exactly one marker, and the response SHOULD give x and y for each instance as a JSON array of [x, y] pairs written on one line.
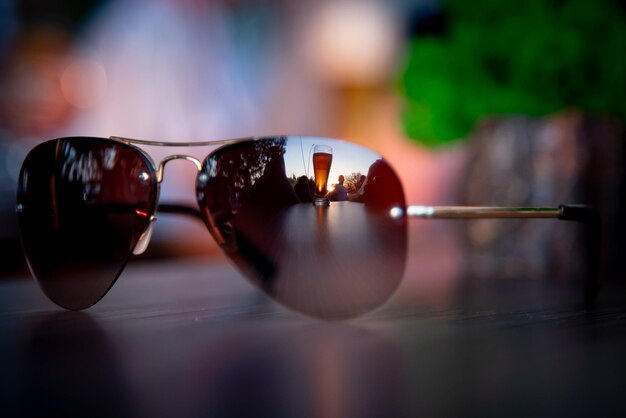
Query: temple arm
[[585, 215], [479, 212]]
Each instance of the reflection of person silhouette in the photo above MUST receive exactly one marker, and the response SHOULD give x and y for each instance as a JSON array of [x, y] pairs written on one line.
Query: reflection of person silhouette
[[382, 188], [357, 196], [361, 182], [339, 193], [305, 189], [272, 191], [259, 219]]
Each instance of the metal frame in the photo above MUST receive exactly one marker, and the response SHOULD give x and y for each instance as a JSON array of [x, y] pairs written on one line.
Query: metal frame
[[586, 215], [480, 212], [411, 211], [181, 144]]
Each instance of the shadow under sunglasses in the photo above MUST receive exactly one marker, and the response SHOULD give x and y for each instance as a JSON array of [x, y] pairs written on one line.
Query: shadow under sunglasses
[[86, 204]]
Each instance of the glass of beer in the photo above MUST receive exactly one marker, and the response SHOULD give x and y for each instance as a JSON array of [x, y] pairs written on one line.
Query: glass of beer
[[322, 160]]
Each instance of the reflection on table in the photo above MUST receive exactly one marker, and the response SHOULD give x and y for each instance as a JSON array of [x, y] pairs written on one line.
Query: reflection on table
[[70, 367], [192, 338]]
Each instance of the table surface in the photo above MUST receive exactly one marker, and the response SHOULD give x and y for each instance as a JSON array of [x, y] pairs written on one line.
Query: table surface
[[193, 338]]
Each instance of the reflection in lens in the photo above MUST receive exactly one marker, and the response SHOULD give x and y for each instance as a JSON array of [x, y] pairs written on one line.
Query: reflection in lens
[[322, 161], [82, 205], [336, 261]]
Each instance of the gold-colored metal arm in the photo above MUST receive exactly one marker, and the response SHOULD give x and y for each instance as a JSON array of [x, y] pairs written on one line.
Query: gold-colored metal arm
[[479, 212], [180, 144]]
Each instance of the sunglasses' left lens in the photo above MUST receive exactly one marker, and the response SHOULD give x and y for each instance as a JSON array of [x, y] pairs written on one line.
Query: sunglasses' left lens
[[82, 205]]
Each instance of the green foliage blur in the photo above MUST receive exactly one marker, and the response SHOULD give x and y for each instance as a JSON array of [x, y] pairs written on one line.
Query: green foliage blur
[[532, 57]]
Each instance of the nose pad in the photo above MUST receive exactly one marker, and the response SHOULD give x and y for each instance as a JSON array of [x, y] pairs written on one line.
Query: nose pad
[[144, 239]]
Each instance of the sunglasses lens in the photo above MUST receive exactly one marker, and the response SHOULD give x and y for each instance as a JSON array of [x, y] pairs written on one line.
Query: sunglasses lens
[[339, 260], [82, 206]]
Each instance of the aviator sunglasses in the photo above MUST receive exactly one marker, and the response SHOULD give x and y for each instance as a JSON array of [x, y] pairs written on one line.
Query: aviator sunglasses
[[86, 205]]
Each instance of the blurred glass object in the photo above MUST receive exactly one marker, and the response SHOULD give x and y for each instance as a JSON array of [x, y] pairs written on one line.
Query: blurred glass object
[[352, 42]]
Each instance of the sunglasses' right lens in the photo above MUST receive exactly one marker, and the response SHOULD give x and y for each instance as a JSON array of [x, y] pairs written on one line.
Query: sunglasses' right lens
[[82, 205], [339, 260]]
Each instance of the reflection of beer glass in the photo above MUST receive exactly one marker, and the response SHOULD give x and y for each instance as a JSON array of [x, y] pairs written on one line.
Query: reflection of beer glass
[[322, 159]]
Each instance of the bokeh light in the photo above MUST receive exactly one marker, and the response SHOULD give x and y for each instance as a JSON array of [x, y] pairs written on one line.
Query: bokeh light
[[83, 83], [352, 42]]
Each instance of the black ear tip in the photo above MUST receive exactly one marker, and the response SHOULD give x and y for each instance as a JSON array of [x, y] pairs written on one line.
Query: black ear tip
[[580, 213]]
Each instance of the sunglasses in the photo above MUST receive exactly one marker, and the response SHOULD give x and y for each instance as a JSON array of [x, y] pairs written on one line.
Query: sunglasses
[[86, 205]]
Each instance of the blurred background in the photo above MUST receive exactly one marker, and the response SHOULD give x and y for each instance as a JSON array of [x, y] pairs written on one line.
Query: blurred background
[[474, 103]]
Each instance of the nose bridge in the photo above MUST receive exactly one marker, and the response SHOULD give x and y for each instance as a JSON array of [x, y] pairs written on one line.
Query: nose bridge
[[169, 158]]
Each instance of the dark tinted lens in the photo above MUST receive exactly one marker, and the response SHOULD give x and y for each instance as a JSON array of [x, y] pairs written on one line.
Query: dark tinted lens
[[82, 205], [335, 261]]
